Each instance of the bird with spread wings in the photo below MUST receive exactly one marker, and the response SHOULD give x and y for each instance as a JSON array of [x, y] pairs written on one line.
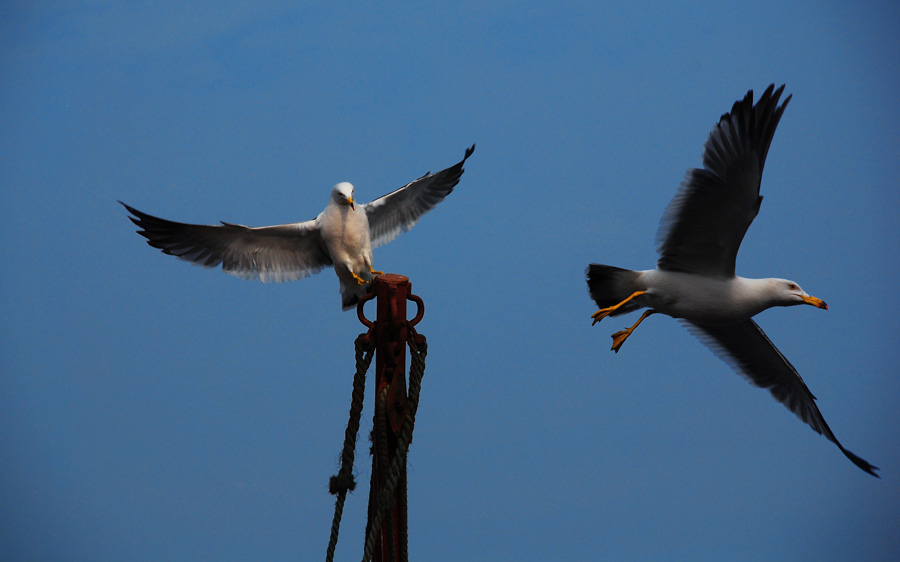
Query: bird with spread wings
[[342, 236], [695, 281]]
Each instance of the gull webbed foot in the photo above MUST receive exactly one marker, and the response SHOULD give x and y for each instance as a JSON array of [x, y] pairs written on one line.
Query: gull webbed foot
[[604, 312], [600, 315], [620, 337]]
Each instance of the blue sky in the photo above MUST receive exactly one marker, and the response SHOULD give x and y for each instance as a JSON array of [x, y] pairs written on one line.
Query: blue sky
[[150, 410]]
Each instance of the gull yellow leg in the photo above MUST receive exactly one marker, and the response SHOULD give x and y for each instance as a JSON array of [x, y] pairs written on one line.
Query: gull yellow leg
[[604, 312], [620, 337], [375, 272], [359, 279]]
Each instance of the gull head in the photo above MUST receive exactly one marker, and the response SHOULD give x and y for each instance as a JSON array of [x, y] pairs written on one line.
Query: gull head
[[789, 293], [342, 194]]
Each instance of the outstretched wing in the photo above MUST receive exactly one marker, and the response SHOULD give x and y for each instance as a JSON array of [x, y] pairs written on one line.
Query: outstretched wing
[[272, 253], [749, 351], [397, 212], [703, 226]]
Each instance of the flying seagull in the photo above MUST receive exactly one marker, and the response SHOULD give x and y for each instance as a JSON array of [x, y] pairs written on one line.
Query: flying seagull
[[694, 281], [343, 236]]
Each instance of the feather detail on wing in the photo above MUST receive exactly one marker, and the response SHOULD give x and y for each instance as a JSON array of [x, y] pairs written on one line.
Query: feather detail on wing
[[397, 212], [747, 349], [704, 224], [272, 253]]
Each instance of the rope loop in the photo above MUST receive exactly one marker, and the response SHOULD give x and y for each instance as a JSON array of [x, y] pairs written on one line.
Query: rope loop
[[418, 348]]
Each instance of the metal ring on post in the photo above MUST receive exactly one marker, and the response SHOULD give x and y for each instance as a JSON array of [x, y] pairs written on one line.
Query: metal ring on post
[[359, 309], [420, 308]]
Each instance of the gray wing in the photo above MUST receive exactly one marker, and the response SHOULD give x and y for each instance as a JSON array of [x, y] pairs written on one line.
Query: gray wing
[[747, 349], [703, 226], [397, 212], [272, 253]]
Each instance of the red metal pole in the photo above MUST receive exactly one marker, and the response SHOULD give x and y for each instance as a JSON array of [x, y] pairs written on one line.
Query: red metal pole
[[391, 293]]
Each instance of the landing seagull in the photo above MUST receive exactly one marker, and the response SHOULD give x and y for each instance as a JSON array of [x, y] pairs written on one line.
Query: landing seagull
[[694, 280], [343, 235]]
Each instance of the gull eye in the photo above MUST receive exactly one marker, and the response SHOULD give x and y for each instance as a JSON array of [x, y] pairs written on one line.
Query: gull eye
[[792, 286]]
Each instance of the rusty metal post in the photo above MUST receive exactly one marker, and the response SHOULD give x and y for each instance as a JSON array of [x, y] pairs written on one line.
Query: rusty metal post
[[391, 293]]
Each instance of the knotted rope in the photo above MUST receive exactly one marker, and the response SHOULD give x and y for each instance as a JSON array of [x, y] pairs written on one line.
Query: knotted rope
[[343, 481]]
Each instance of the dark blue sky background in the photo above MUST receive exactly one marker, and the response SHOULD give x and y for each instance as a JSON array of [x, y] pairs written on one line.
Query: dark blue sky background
[[150, 410]]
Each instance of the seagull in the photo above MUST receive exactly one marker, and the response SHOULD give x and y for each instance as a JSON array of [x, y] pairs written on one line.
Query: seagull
[[342, 236], [694, 280]]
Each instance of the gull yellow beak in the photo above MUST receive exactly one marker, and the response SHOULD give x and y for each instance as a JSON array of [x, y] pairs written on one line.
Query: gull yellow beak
[[818, 303], [350, 200]]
